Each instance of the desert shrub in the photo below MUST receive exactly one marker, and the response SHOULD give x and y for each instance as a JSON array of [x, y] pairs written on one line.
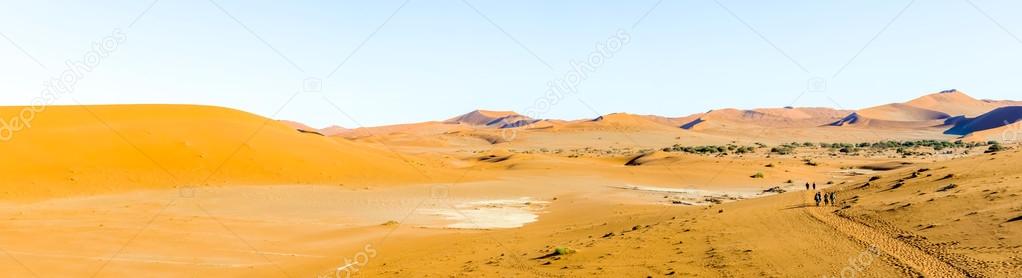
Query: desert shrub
[[561, 251], [782, 150], [994, 148], [743, 150], [758, 175]]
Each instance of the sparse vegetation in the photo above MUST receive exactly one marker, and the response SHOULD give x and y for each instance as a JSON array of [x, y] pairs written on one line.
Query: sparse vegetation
[[905, 149], [996, 147], [561, 251], [758, 175], [711, 149], [782, 150]]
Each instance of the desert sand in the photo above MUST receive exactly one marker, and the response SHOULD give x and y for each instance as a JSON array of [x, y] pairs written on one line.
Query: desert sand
[[187, 191]]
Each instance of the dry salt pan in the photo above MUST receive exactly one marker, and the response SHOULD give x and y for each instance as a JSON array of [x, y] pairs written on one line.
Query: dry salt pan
[[489, 214]]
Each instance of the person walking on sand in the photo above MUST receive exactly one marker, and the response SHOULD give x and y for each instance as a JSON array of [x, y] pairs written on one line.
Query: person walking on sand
[[814, 186], [826, 199], [807, 186], [832, 200], [817, 198]]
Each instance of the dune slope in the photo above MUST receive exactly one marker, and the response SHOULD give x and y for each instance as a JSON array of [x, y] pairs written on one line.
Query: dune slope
[[88, 149], [997, 118]]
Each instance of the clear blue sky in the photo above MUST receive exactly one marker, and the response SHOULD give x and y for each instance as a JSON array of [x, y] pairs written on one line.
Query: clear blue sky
[[438, 58]]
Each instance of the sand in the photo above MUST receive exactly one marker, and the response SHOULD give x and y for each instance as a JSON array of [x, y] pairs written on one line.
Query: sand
[[186, 191]]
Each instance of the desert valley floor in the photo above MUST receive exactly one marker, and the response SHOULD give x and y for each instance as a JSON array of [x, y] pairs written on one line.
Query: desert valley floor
[[926, 188]]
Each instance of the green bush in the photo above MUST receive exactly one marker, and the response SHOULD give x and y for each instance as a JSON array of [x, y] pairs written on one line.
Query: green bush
[[783, 150], [561, 251], [994, 148]]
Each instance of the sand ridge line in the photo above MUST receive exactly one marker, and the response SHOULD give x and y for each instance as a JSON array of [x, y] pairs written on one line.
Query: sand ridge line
[[908, 255]]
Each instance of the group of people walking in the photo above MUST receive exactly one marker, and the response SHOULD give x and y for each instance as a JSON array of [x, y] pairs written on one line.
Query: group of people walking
[[828, 199]]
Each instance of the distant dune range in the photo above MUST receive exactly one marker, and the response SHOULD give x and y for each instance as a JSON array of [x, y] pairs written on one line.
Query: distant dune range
[[107, 148], [948, 114]]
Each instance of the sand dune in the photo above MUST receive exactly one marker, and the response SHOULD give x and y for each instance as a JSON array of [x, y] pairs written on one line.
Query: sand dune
[[954, 103], [498, 119], [92, 149], [299, 126], [969, 202], [999, 117], [946, 108], [1008, 133], [763, 117], [333, 130], [901, 113], [926, 117], [625, 121], [423, 128]]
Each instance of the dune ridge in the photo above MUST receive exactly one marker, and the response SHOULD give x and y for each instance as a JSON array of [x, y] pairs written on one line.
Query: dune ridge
[[70, 151]]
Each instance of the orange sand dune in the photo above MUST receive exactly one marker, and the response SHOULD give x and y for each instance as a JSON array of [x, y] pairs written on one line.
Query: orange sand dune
[[90, 149], [1008, 134], [971, 203], [764, 117], [499, 119], [333, 130], [939, 109], [901, 113], [423, 128], [1004, 116], [954, 103], [624, 120], [299, 126], [327, 131]]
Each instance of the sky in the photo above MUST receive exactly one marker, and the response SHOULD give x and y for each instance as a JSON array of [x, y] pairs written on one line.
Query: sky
[[398, 61]]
